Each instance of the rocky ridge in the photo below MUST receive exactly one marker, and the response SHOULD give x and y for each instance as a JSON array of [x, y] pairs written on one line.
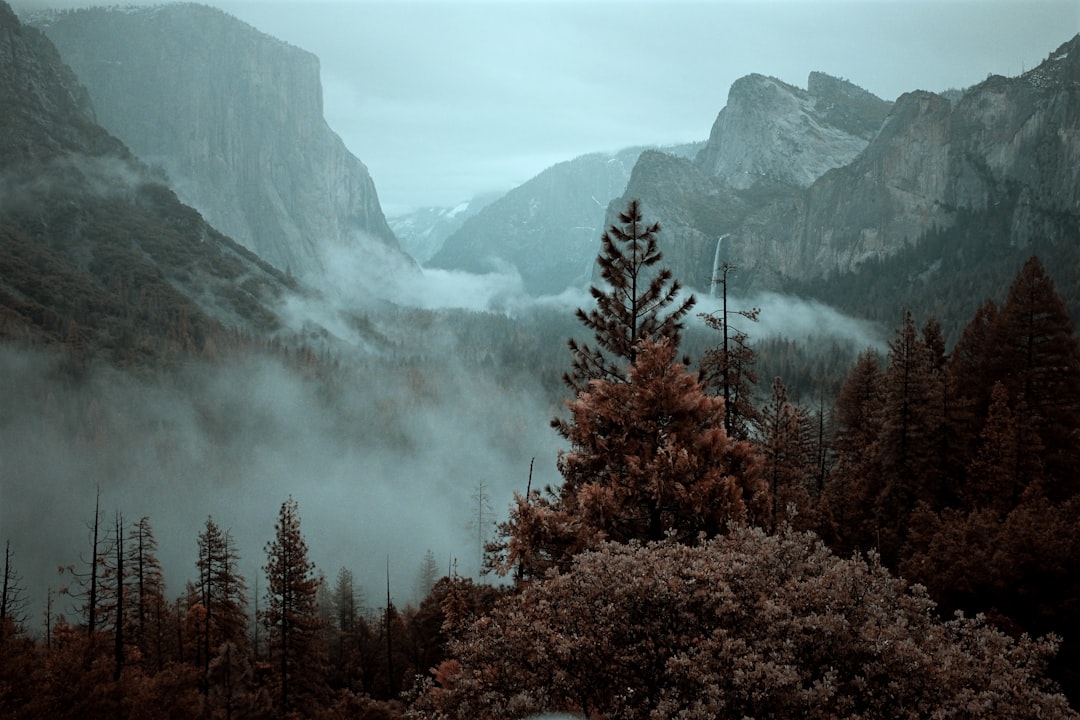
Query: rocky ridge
[[96, 254]]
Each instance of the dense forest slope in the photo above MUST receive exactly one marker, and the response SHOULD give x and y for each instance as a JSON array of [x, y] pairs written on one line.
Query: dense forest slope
[[235, 118], [96, 252]]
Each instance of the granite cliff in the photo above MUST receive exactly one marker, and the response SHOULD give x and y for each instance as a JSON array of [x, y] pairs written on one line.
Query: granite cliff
[[234, 118], [800, 198], [97, 255]]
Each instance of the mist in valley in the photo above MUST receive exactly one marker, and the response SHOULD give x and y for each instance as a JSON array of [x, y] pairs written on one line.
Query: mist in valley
[[432, 395]]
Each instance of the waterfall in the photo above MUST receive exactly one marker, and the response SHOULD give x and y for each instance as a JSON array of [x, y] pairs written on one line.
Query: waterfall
[[716, 265]]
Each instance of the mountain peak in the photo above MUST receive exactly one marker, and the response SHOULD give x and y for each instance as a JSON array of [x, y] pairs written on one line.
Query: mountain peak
[[1061, 69], [773, 132]]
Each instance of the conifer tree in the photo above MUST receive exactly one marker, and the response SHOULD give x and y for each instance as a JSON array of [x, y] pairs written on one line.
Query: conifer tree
[[1037, 357], [290, 614], [631, 307], [728, 369], [149, 609], [783, 443], [649, 459], [221, 595], [854, 482]]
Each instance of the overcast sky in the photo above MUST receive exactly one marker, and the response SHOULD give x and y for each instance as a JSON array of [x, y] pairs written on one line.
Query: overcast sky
[[446, 99]]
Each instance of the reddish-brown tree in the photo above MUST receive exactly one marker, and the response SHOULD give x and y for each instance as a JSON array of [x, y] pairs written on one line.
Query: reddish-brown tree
[[291, 616], [649, 459]]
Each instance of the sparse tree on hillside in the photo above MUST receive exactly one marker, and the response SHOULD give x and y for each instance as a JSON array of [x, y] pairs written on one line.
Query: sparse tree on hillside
[[291, 614], [728, 368], [631, 308], [12, 594]]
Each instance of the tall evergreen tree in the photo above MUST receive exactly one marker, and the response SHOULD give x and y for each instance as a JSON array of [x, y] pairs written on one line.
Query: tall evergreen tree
[[783, 441], [221, 594], [1037, 357], [149, 612], [649, 459], [290, 614], [632, 305], [855, 480]]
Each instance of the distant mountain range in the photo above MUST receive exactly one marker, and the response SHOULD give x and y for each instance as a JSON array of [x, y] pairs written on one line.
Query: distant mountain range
[[931, 202], [547, 229], [423, 231]]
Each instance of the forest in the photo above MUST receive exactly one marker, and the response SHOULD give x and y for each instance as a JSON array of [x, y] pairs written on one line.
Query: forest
[[713, 548]]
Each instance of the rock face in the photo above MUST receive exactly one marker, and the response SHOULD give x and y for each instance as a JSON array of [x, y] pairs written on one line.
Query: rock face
[[234, 117], [773, 132], [96, 254], [549, 228], [804, 186]]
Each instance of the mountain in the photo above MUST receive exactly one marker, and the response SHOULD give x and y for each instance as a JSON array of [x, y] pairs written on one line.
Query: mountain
[[97, 255], [234, 118], [423, 231], [998, 161], [548, 228], [773, 132]]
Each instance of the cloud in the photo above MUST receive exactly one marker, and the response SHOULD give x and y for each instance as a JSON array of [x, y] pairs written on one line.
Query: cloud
[[797, 319]]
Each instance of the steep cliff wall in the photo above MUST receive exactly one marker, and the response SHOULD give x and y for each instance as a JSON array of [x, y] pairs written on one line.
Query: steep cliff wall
[[96, 255], [773, 132], [797, 203], [234, 117]]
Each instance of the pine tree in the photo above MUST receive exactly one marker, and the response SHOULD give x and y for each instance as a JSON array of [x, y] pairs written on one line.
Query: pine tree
[[728, 368], [1037, 357], [221, 595], [783, 440], [149, 609], [631, 307], [905, 445], [649, 459], [853, 484], [290, 614]]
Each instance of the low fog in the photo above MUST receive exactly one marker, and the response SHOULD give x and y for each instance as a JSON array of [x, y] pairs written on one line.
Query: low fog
[[383, 464]]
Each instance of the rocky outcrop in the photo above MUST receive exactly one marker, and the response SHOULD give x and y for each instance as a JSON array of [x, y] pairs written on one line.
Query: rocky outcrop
[[774, 133], [234, 118], [549, 228]]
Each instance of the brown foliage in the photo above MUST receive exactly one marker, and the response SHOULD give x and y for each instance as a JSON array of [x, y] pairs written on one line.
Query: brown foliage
[[743, 625]]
